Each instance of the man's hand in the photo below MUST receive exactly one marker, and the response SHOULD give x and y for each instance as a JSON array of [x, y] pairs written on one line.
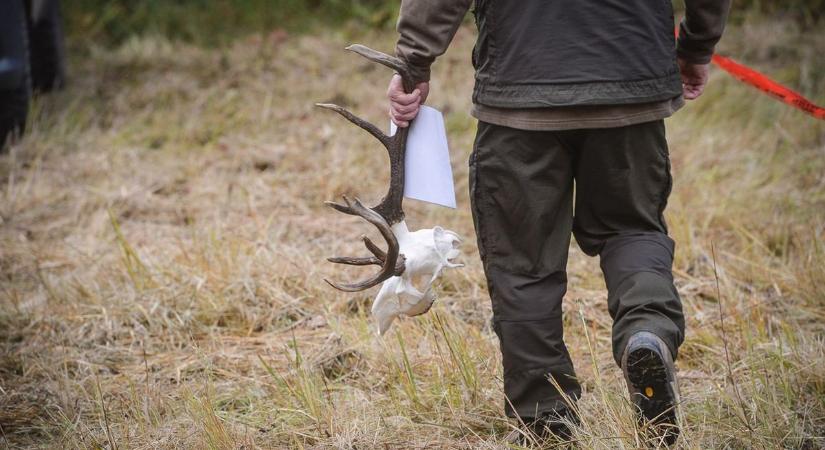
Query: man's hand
[[404, 107], [694, 78]]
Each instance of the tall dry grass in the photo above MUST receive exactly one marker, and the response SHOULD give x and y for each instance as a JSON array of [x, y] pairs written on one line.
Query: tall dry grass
[[163, 240]]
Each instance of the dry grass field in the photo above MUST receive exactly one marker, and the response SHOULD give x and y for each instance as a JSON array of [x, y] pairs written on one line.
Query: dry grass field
[[163, 242]]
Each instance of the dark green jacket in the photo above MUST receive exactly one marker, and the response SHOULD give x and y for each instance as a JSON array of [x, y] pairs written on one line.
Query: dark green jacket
[[548, 53]]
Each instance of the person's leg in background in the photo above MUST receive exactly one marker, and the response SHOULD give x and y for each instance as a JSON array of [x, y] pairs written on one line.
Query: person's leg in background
[[622, 185], [521, 189]]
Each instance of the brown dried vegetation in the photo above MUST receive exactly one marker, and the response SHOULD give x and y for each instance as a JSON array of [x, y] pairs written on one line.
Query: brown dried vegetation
[[163, 239]]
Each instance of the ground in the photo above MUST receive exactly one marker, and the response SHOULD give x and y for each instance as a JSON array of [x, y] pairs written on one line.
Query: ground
[[163, 242]]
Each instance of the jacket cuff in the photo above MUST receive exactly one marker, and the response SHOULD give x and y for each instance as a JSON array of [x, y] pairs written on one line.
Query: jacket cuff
[[692, 50], [419, 73], [693, 57], [418, 65]]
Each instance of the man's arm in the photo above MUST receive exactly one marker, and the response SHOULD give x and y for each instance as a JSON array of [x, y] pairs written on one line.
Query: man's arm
[[426, 28], [701, 29], [698, 34]]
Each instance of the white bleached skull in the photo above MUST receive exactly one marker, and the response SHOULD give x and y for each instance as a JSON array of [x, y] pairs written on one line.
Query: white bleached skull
[[427, 253]]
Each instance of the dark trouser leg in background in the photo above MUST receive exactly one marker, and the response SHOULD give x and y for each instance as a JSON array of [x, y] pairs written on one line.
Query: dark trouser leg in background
[[622, 185], [521, 188]]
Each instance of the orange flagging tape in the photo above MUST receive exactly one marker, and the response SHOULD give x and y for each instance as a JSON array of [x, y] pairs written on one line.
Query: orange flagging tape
[[768, 86]]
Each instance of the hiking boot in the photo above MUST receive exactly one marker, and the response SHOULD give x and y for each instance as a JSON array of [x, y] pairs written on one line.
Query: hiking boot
[[550, 428], [651, 379]]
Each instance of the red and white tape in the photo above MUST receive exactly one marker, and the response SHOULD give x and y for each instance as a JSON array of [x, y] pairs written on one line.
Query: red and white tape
[[763, 83]]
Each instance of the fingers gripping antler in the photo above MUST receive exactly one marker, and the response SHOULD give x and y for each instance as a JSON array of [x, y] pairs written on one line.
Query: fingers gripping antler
[[389, 211]]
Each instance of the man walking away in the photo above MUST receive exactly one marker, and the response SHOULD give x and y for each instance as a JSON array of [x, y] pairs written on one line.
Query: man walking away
[[572, 92]]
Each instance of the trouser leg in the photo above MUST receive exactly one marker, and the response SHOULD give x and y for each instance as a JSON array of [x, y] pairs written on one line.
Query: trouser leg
[[521, 190], [622, 185]]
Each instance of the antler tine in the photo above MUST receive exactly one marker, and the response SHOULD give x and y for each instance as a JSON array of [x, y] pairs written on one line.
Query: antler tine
[[380, 254], [391, 263], [386, 60], [361, 123], [400, 265], [379, 258], [354, 261]]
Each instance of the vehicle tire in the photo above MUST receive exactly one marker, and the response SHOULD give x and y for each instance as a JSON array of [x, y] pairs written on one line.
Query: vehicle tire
[[46, 47], [14, 101]]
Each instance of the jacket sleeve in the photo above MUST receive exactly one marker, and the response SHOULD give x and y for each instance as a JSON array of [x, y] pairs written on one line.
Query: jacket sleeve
[[426, 28], [701, 29]]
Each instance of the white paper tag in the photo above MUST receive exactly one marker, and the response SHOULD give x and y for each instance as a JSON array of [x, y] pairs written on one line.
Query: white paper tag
[[428, 175]]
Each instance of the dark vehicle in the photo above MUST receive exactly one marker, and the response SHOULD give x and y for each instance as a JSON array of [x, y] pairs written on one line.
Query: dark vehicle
[[32, 58]]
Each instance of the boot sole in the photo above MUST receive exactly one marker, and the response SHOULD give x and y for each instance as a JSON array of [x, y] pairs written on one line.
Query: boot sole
[[654, 392]]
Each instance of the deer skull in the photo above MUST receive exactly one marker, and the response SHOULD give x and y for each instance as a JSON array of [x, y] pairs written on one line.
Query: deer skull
[[427, 252], [413, 260]]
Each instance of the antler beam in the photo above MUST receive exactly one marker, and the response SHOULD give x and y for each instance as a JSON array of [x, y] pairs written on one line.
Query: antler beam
[[389, 211]]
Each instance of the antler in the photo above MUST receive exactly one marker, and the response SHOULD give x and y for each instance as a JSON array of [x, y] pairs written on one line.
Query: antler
[[389, 211]]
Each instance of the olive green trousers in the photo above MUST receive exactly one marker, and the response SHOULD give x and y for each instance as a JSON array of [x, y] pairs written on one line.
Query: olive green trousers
[[529, 190]]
